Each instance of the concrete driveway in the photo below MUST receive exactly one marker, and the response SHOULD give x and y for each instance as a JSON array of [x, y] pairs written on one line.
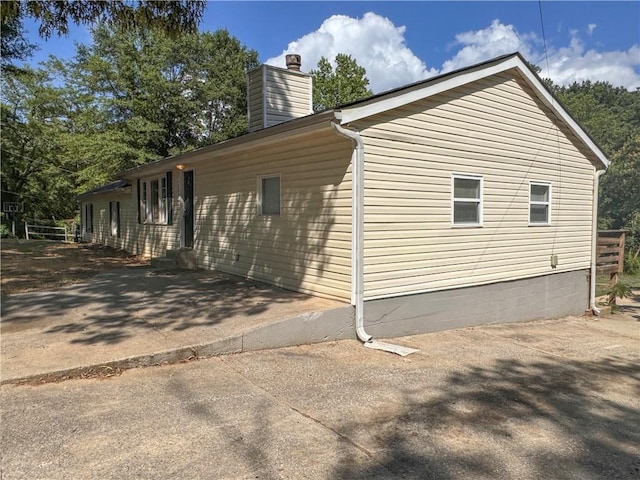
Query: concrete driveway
[[140, 316], [539, 400]]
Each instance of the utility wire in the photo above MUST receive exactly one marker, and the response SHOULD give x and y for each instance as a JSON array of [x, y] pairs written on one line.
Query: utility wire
[[557, 129], [544, 38]]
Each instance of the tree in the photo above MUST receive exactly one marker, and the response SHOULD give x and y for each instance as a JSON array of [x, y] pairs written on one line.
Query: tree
[[171, 17], [14, 46], [129, 98], [163, 95], [611, 115], [346, 84], [35, 171]]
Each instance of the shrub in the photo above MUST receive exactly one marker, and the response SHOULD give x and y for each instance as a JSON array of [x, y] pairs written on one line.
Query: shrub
[[631, 264], [619, 290]]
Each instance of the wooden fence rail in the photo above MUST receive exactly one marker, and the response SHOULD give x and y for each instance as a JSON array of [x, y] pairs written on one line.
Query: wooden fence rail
[[610, 252]]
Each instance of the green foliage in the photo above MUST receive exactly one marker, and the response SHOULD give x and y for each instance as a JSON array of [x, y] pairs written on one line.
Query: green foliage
[[632, 242], [35, 171], [129, 98], [631, 264], [5, 231], [14, 46], [619, 290], [160, 95], [611, 115], [170, 17], [347, 83]]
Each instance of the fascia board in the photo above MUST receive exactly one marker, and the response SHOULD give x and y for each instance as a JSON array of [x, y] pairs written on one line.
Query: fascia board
[[550, 101]]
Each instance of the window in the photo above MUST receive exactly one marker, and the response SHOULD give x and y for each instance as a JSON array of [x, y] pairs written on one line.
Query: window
[[88, 218], [163, 199], [467, 200], [155, 200], [269, 195], [114, 218], [144, 210], [539, 203]]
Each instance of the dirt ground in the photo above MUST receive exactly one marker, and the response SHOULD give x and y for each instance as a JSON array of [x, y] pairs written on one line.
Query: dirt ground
[[30, 265]]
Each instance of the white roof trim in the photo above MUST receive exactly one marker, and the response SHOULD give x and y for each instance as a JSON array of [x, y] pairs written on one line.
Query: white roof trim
[[400, 98]]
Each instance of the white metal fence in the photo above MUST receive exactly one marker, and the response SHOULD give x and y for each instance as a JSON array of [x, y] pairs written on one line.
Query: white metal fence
[[47, 232]]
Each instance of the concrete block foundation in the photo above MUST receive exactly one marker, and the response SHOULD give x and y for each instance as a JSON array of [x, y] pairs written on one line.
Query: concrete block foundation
[[548, 296]]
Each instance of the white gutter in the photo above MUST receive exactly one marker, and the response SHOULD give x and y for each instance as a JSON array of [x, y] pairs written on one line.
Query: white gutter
[[357, 245], [594, 242], [357, 229]]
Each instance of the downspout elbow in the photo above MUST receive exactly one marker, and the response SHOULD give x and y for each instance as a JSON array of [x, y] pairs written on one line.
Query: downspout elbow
[[594, 243]]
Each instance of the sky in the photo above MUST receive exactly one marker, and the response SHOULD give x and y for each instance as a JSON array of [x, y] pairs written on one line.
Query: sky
[[403, 42]]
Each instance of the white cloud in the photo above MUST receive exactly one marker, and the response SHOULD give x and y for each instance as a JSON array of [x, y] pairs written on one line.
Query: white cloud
[[493, 41], [379, 46], [566, 64], [590, 28], [374, 41], [574, 64]]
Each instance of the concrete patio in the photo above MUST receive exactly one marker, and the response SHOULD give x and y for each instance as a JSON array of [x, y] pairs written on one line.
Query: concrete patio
[[140, 316]]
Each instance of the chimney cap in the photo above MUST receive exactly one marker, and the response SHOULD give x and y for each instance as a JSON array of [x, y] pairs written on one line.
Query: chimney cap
[[294, 61]]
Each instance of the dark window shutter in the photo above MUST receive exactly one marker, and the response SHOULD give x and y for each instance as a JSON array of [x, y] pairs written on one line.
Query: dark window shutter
[[110, 217], [91, 217], [118, 219], [169, 200], [139, 213]]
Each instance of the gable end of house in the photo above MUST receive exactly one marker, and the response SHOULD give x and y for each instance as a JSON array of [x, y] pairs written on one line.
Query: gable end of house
[[400, 97]]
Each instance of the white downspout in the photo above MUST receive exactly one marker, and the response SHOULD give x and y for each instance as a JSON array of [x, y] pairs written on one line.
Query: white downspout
[[357, 228], [594, 242]]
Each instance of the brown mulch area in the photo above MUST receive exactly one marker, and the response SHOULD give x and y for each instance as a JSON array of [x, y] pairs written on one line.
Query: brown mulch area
[[30, 265]]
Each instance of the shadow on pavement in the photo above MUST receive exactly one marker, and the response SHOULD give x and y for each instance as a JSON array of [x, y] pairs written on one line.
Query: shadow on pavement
[[117, 305], [556, 419], [631, 306]]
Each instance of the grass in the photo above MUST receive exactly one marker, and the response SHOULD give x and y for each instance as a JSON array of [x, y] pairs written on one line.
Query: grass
[[30, 265], [602, 282]]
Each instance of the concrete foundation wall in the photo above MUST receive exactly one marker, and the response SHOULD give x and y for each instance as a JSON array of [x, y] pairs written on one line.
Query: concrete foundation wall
[[548, 296], [313, 327]]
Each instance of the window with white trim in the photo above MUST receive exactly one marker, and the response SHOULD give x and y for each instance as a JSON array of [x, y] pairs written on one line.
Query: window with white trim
[[539, 203], [466, 200], [155, 200], [269, 195]]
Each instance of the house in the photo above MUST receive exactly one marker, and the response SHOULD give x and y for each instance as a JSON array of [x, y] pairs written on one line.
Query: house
[[463, 199]]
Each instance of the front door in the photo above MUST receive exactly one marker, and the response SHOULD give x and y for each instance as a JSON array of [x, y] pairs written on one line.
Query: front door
[[187, 239]]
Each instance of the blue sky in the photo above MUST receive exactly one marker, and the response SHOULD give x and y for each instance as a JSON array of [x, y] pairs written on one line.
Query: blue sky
[[402, 42]]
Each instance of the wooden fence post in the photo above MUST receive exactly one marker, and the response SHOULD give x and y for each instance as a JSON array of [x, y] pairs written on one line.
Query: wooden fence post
[[621, 252]]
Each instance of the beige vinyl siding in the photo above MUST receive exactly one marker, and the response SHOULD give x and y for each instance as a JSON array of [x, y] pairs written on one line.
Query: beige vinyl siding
[[494, 128], [100, 220], [148, 240], [307, 247], [288, 96]]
